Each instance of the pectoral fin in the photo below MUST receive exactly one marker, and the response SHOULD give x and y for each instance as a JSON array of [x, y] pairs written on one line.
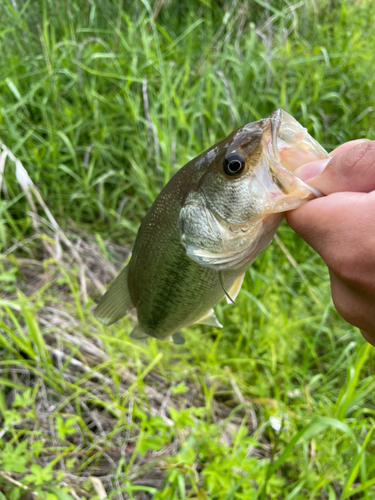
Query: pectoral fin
[[116, 302], [209, 319], [178, 338], [235, 288]]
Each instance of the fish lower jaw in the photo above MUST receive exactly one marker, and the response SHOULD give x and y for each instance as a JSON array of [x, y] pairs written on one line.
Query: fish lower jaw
[[280, 203]]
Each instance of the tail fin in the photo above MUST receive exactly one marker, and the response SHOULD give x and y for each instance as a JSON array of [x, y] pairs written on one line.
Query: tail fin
[[116, 302]]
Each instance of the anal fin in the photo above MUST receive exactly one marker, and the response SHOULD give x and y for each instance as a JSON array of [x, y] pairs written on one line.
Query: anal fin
[[116, 301], [209, 319], [138, 333]]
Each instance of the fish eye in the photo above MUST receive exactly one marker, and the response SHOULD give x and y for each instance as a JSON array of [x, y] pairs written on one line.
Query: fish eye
[[234, 164]]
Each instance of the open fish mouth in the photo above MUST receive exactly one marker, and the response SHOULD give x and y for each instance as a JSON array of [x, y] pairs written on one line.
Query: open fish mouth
[[224, 241], [287, 145], [294, 145]]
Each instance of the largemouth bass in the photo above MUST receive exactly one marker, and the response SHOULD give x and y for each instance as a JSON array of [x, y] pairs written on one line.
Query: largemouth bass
[[208, 225]]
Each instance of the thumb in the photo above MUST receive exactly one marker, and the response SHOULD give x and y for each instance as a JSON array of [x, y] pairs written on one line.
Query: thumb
[[351, 170]]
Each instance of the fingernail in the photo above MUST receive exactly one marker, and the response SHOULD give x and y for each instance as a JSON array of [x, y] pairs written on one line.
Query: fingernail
[[310, 170]]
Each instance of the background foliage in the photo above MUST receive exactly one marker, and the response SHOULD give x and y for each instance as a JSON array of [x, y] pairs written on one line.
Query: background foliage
[[102, 102]]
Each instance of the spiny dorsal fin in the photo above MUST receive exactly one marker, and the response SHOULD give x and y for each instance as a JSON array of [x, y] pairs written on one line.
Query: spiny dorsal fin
[[235, 288], [209, 319], [116, 301]]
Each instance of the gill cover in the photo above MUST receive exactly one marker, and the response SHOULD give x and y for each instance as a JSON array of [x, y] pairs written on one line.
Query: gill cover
[[207, 239]]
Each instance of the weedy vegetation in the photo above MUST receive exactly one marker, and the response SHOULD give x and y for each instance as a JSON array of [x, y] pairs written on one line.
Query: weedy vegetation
[[100, 103]]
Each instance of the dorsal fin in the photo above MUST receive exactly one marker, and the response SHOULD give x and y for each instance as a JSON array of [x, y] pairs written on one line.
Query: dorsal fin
[[116, 301], [209, 319]]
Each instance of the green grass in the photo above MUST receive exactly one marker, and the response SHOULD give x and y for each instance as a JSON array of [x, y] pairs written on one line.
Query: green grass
[[155, 420]]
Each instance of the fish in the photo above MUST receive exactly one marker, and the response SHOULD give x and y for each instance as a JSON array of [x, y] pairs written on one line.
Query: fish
[[207, 226]]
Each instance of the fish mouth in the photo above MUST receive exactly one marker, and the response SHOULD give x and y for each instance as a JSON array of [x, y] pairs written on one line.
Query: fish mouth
[[292, 145], [287, 145]]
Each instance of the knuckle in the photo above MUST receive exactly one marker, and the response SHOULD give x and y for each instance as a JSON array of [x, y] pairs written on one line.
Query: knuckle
[[343, 265], [354, 304], [342, 301], [343, 309], [369, 335], [351, 264]]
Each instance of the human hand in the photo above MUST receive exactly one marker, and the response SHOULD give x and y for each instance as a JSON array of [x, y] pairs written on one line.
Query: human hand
[[341, 228]]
